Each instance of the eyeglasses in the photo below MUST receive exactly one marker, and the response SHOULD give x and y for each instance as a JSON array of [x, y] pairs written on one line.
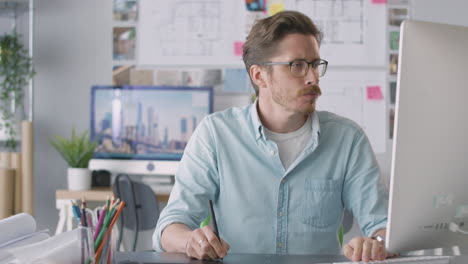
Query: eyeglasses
[[299, 68]]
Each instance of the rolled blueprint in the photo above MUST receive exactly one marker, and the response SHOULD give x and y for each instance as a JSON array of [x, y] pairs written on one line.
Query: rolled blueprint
[[16, 231], [16, 226], [16, 165], [27, 166], [7, 186]]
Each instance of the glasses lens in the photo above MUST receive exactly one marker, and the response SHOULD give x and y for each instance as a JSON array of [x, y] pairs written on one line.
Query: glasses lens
[[299, 68], [322, 68]]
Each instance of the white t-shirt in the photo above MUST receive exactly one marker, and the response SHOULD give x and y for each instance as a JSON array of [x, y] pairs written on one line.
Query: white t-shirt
[[290, 145]]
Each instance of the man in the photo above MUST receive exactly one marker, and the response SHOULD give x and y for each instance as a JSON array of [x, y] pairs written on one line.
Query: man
[[279, 172]]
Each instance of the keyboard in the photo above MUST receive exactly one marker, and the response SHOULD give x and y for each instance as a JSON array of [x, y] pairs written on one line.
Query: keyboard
[[409, 260]]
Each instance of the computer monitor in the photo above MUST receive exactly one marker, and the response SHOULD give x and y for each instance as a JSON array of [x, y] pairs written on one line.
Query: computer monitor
[[144, 129], [429, 173]]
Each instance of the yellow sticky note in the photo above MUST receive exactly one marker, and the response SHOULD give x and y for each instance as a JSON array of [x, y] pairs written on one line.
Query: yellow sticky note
[[275, 8]]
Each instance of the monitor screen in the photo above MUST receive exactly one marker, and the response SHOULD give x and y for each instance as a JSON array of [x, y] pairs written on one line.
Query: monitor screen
[[146, 122]]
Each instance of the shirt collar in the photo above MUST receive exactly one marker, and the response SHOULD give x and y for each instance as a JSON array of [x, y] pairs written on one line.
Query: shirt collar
[[258, 127], [315, 124]]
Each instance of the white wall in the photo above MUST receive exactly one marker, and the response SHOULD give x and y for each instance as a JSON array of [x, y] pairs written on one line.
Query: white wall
[[441, 11], [73, 51]]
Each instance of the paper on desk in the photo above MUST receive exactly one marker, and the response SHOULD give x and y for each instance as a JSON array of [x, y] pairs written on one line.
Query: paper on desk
[[18, 230], [27, 239], [62, 248], [33, 238]]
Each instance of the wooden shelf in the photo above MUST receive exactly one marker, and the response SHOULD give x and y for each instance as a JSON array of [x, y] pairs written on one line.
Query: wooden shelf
[[96, 194]]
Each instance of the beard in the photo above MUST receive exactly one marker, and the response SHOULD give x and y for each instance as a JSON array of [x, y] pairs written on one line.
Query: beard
[[289, 101]]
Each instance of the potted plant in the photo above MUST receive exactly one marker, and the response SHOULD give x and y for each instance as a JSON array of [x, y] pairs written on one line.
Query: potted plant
[[77, 152], [15, 73]]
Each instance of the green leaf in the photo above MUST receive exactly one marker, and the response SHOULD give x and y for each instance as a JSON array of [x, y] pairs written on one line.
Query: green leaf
[[15, 72], [76, 151]]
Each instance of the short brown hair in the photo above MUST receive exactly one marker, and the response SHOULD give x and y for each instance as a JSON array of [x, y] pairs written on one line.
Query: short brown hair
[[266, 34]]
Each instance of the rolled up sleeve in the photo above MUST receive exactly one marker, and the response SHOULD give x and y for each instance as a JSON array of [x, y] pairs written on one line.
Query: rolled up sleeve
[[364, 192], [196, 182]]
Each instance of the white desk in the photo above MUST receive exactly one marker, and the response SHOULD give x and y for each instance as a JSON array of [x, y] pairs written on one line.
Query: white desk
[[64, 197]]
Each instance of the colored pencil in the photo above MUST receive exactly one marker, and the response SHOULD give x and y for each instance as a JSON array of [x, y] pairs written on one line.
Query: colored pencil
[[99, 225], [109, 230], [83, 209], [107, 220]]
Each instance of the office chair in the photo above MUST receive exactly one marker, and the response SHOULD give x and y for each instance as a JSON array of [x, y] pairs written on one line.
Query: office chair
[[140, 214]]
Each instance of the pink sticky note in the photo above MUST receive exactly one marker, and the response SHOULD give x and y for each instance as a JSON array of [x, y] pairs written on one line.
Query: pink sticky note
[[238, 48], [379, 1], [374, 93]]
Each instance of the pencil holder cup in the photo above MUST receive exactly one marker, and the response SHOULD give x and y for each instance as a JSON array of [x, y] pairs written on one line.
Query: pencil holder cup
[[109, 247], [86, 245]]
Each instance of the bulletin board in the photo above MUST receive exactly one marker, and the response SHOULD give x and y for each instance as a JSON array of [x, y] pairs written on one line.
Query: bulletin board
[[211, 32]]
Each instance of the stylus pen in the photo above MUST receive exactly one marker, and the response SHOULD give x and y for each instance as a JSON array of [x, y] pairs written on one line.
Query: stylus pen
[[215, 225]]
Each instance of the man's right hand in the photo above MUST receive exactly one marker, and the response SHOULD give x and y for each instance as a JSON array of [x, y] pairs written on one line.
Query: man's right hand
[[203, 243]]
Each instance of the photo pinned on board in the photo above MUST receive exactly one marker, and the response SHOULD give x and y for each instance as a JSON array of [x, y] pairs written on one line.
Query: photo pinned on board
[[121, 74], [255, 5], [141, 76], [396, 16], [392, 86], [124, 42], [393, 64], [125, 10], [394, 39], [391, 124]]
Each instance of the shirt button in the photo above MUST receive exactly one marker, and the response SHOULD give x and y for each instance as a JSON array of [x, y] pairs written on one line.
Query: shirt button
[[272, 152], [280, 213], [280, 245], [283, 181]]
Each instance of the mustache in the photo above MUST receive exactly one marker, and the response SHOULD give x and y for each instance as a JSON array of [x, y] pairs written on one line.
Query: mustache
[[313, 89]]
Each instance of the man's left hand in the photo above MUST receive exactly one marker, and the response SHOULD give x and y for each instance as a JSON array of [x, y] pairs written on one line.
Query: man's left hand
[[365, 249]]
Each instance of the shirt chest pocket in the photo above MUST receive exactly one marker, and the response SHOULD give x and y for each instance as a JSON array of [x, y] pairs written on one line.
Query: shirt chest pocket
[[322, 207]]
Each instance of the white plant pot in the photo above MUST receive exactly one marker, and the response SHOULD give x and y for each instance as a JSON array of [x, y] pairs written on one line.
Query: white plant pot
[[79, 179]]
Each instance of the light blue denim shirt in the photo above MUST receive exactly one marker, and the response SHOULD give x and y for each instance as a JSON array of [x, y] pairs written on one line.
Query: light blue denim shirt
[[261, 207]]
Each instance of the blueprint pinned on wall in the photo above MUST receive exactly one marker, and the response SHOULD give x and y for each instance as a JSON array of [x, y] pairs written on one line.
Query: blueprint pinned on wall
[[211, 32], [354, 30], [346, 93], [208, 32], [194, 32]]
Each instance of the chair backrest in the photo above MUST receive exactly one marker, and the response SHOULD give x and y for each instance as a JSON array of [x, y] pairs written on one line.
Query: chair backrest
[[141, 211]]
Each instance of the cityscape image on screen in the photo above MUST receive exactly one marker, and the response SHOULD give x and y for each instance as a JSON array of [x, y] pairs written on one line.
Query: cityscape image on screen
[[146, 122]]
